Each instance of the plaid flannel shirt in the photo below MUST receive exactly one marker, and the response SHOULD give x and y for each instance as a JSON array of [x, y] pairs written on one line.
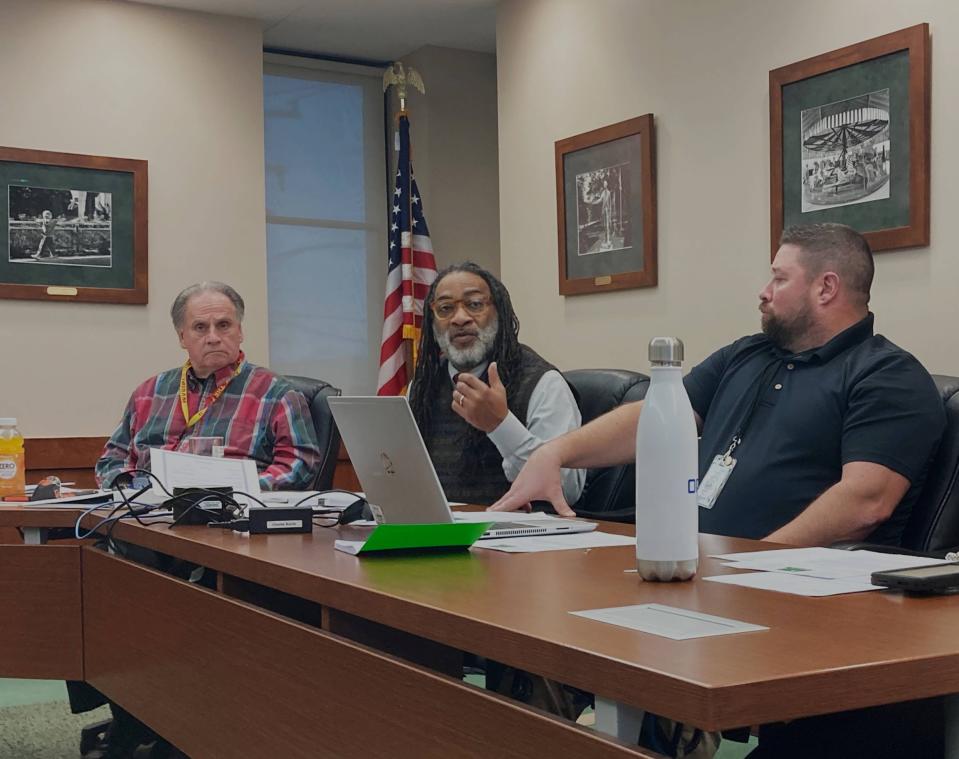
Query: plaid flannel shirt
[[259, 416]]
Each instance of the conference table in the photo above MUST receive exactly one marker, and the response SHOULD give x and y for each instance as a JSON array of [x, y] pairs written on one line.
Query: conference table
[[302, 650]]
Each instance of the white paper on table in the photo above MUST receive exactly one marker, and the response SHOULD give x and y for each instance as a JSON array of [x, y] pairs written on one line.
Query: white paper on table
[[795, 584], [564, 542], [831, 563], [779, 554], [184, 470], [304, 498], [668, 621], [351, 547], [67, 500]]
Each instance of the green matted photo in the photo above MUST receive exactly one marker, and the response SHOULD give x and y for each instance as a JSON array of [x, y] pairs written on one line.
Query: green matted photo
[[606, 208], [74, 227], [849, 140]]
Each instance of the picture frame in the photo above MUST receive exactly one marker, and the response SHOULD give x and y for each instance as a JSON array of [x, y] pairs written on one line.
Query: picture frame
[[73, 228], [849, 140], [606, 208]]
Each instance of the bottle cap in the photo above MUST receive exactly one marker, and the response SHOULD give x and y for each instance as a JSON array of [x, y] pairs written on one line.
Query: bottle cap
[[8, 421], [665, 350]]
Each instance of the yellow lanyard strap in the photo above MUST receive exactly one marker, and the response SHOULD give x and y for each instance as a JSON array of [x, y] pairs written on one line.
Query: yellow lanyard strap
[[213, 398]]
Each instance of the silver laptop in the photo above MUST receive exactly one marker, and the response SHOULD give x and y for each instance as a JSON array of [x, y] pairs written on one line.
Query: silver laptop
[[397, 475]]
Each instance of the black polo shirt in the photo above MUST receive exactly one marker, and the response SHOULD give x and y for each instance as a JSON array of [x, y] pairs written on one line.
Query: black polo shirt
[[859, 397]]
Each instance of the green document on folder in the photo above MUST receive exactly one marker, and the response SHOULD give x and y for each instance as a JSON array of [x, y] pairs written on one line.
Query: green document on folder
[[399, 537]]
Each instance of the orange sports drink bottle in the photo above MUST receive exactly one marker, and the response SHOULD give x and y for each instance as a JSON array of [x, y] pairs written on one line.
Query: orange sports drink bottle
[[12, 475]]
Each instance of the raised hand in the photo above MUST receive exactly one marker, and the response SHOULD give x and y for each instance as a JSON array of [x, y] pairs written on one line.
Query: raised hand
[[481, 405]]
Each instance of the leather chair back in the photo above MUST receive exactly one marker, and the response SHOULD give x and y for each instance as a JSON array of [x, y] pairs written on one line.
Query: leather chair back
[[609, 491], [933, 525], [316, 393]]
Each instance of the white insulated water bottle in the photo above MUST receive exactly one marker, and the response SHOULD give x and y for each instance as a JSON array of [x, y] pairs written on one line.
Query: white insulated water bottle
[[667, 471]]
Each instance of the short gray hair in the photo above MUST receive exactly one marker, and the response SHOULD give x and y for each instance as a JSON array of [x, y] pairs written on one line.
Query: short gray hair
[[837, 247], [178, 309]]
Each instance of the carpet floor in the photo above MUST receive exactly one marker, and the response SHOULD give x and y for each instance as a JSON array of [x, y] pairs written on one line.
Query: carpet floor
[[44, 731]]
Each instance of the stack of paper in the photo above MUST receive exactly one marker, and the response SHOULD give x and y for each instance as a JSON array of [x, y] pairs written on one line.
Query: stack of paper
[[184, 470], [814, 571]]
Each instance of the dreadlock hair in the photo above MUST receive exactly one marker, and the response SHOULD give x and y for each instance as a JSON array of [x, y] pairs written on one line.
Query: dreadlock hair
[[430, 376]]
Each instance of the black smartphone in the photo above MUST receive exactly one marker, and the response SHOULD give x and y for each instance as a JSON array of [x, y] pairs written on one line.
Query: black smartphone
[[933, 578]]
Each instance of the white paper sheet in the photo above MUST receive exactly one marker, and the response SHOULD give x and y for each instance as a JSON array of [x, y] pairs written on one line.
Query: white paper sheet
[[829, 563], [184, 470], [67, 500], [565, 542], [303, 498], [780, 554], [351, 547], [668, 621], [795, 584]]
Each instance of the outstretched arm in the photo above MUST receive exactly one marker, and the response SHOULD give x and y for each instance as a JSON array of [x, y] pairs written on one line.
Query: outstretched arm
[[606, 441]]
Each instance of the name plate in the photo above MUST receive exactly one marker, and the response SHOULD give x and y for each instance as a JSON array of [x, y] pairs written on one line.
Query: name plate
[[605, 280], [68, 291]]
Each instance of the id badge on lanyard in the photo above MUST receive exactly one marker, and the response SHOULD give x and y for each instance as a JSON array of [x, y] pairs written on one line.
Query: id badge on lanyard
[[716, 477], [712, 484]]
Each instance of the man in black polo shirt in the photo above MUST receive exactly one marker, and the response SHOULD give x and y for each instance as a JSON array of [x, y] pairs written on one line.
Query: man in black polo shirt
[[832, 429], [844, 426]]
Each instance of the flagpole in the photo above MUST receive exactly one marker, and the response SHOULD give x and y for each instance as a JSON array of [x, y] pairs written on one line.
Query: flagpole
[[412, 266], [410, 342]]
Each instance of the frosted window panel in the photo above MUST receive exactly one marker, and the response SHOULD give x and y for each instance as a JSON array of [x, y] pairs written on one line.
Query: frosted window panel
[[314, 132], [326, 220], [318, 305]]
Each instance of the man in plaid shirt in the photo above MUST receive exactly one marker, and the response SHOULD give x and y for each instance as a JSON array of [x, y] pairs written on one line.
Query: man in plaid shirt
[[217, 393]]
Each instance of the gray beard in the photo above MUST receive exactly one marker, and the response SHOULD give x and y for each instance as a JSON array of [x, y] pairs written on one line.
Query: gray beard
[[464, 360]]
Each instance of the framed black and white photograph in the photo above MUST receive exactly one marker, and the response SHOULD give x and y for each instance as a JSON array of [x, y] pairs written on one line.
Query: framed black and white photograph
[[74, 227], [849, 140], [602, 216], [54, 227], [846, 152], [606, 208]]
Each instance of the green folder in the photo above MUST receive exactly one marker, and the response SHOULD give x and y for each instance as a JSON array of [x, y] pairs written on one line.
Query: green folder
[[401, 537]]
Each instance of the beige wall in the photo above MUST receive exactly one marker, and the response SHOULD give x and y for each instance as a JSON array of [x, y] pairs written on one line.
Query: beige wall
[[701, 67], [184, 92], [455, 153]]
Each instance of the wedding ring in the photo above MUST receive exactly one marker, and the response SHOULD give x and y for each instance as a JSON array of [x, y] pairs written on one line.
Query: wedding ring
[[461, 399]]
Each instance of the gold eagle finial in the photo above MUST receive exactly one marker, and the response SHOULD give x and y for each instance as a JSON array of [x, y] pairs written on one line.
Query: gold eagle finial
[[399, 77]]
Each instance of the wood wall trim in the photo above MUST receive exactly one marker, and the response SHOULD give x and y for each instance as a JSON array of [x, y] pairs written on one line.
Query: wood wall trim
[[344, 476], [74, 458], [78, 452], [63, 452]]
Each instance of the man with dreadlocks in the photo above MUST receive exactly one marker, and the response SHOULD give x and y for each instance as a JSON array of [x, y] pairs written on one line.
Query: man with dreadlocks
[[483, 401]]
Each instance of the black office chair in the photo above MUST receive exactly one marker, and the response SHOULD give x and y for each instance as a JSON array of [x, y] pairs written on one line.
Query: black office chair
[[609, 491], [317, 392], [933, 526]]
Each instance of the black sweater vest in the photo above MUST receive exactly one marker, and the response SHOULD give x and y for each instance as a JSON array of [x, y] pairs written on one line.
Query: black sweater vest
[[476, 476]]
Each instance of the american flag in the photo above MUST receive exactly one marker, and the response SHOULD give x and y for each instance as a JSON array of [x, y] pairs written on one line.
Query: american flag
[[412, 270]]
